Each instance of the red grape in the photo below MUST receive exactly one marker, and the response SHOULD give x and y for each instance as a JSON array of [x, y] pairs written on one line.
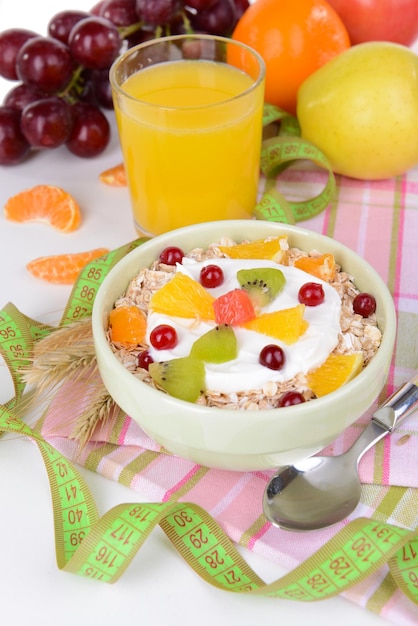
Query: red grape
[[157, 12], [200, 5], [364, 304], [119, 12], [13, 144], [145, 359], [47, 123], [90, 133], [290, 398], [94, 43], [171, 255], [311, 294], [101, 88], [98, 8], [218, 19], [241, 6], [20, 96], [61, 24], [163, 337], [211, 276], [11, 41], [272, 356], [45, 63]]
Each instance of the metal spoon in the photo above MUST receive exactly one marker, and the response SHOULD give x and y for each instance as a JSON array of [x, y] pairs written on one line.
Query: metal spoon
[[321, 491]]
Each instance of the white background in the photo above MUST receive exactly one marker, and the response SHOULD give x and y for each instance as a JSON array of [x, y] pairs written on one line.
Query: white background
[[158, 585]]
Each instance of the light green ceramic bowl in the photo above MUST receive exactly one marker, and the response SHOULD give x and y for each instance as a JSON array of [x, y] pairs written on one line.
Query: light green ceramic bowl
[[242, 440]]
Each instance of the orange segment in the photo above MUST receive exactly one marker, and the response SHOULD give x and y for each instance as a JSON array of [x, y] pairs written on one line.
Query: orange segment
[[287, 325], [45, 203], [183, 297], [115, 176], [322, 266], [128, 325], [337, 370], [274, 249], [63, 269]]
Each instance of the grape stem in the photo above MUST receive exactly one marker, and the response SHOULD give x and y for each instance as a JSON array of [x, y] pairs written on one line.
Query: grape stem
[[75, 85], [125, 31]]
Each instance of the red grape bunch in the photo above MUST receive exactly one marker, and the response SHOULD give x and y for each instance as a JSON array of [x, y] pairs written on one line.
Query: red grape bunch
[[63, 76]]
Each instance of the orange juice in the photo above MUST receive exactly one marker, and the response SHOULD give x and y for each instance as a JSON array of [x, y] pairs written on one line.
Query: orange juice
[[190, 132]]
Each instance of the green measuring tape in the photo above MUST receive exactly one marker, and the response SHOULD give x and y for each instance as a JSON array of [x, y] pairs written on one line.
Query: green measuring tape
[[102, 547], [277, 153]]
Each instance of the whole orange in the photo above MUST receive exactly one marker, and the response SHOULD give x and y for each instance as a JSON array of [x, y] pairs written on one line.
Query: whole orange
[[295, 38]]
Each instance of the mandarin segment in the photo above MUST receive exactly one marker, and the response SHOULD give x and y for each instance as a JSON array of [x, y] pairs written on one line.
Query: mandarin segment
[[322, 266], [286, 325], [114, 176], [274, 249], [63, 269], [337, 370], [128, 325], [45, 203], [183, 297]]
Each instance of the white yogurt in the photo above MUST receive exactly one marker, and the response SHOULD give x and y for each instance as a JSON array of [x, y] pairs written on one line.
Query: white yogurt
[[245, 372]]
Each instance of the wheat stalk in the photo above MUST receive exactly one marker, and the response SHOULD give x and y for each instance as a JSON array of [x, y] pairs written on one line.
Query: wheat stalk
[[99, 409], [68, 354], [65, 352]]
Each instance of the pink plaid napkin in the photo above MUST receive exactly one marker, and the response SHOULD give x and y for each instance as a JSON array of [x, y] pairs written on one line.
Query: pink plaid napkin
[[379, 220]]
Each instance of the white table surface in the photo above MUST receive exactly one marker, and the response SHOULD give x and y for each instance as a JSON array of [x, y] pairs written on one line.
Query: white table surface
[[158, 583]]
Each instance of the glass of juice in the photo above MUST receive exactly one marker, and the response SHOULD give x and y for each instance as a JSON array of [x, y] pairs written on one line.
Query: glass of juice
[[189, 114]]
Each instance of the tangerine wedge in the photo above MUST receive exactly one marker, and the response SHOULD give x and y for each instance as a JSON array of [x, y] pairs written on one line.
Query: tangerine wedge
[[183, 297], [114, 176], [322, 266], [337, 370], [128, 325], [287, 325], [274, 249], [63, 269], [45, 203]]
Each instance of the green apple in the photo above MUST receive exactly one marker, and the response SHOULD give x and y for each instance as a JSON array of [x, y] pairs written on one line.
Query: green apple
[[361, 110]]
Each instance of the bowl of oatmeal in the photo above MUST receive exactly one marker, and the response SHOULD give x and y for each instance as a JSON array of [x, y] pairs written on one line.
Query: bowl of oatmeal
[[243, 345]]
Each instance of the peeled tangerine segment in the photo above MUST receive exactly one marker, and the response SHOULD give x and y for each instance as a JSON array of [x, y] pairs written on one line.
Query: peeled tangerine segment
[[45, 203], [262, 284], [274, 249], [128, 325], [287, 325], [321, 266], [337, 370], [218, 345], [183, 297], [182, 378]]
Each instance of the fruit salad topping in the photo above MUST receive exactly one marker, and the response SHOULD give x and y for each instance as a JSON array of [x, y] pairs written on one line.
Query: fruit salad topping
[[250, 326]]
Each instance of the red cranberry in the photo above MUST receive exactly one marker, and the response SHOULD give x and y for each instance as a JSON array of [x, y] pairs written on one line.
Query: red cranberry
[[171, 255], [163, 337], [311, 294], [364, 304], [272, 356], [211, 276], [145, 359], [290, 398]]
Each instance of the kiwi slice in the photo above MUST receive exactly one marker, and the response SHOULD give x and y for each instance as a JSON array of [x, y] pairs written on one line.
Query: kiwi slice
[[218, 345], [182, 378], [263, 284]]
